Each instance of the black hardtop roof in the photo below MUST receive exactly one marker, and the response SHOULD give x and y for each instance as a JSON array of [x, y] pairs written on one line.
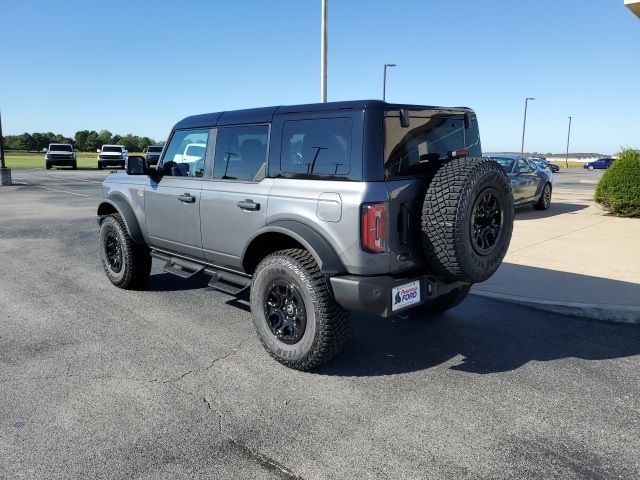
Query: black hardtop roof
[[265, 114]]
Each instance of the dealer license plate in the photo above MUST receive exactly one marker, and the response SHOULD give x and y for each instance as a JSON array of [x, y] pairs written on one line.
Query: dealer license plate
[[405, 295]]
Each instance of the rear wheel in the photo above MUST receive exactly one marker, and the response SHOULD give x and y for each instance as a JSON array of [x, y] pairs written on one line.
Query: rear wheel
[[467, 219], [444, 302], [296, 319], [544, 202], [126, 264]]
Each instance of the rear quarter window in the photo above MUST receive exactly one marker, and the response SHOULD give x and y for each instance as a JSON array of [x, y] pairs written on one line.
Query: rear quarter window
[[319, 148]]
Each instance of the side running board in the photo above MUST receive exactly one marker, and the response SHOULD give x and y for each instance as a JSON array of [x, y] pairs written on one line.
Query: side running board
[[178, 266], [227, 282], [221, 280]]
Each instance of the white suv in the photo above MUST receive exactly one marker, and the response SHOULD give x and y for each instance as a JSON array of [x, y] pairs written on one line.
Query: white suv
[[112, 155]]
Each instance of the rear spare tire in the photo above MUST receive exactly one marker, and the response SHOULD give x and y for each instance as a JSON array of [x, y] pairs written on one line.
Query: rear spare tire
[[467, 219]]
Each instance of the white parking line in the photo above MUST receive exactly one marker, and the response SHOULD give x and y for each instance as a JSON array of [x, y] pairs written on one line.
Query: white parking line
[[52, 189], [78, 179]]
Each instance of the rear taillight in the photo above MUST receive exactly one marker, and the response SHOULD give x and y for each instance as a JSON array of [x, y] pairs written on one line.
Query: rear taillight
[[374, 227]]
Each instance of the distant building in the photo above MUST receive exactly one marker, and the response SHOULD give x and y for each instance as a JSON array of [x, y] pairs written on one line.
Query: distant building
[[634, 6]]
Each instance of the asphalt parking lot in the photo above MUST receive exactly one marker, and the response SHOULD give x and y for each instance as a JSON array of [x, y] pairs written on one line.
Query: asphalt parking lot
[[96, 382]]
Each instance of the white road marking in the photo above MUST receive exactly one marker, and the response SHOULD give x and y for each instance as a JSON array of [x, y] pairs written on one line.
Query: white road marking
[[78, 179], [52, 189]]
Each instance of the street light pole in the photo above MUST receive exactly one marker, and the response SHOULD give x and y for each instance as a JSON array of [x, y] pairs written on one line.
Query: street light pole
[[323, 53], [566, 159], [524, 125], [384, 79], [5, 173]]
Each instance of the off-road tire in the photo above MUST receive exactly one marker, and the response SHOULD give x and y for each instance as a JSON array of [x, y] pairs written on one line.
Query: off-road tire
[[543, 203], [444, 302], [326, 322], [136, 259], [446, 219]]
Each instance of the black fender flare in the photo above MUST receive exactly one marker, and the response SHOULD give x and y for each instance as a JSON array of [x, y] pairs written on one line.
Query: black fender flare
[[324, 254], [125, 211]]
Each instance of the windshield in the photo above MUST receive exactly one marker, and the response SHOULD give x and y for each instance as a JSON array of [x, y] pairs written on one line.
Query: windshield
[[431, 135], [112, 149], [505, 162], [154, 149], [60, 148], [196, 150]]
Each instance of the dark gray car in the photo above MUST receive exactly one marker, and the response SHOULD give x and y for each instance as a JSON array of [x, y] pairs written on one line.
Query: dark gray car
[[531, 184], [318, 209]]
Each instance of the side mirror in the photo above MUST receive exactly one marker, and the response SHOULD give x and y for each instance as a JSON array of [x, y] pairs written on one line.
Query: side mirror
[[136, 165]]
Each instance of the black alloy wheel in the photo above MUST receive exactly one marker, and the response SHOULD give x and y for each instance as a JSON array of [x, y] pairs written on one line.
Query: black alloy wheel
[[113, 251], [486, 222], [546, 196], [285, 312]]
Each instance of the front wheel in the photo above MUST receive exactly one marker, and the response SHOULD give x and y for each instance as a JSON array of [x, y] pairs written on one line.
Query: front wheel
[[544, 202], [75, 165], [126, 264], [48, 166], [297, 320], [590, 167]]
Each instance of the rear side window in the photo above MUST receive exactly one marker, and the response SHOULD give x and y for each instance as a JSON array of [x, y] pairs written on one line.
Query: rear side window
[[430, 136], [318, 148], [241, 153]]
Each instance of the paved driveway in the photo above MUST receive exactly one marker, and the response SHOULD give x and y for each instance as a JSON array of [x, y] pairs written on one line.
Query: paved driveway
[[97, 382]]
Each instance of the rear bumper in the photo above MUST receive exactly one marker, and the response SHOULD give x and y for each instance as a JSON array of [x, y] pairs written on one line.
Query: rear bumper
[[374, 294]]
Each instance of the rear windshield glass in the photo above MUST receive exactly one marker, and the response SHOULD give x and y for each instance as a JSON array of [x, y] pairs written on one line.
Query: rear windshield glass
[[60, 148], [154, 149], [505, 162], [431, 135], [112, 149]]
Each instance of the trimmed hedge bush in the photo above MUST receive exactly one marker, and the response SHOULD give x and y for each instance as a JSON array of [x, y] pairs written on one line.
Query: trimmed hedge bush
[[618, 190]]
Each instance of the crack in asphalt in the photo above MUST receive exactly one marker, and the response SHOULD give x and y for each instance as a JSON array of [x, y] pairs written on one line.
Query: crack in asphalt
[[257, 456], [130, 379]]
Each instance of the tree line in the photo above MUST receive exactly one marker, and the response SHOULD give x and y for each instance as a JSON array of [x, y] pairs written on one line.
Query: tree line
[[84, 140]]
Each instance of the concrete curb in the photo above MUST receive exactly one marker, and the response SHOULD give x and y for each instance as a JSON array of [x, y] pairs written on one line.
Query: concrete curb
[[596, 311]]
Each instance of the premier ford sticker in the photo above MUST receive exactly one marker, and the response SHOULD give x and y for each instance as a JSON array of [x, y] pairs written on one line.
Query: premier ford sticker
[[405, 295]]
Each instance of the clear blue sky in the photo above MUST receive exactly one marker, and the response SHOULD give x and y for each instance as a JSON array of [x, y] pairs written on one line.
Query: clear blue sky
[[138, 67]]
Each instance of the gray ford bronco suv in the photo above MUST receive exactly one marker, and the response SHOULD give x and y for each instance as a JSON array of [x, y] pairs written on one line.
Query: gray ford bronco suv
[[318, 209]]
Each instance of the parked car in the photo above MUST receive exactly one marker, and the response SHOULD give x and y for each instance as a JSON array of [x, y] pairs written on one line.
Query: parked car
[[312, 207], [112, 156], [60, 155], [544, 163], [152, 154], [530, 183], [601, 163]]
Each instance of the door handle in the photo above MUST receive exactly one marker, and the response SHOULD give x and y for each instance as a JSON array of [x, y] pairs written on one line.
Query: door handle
[[248, 204], [186, 198]]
